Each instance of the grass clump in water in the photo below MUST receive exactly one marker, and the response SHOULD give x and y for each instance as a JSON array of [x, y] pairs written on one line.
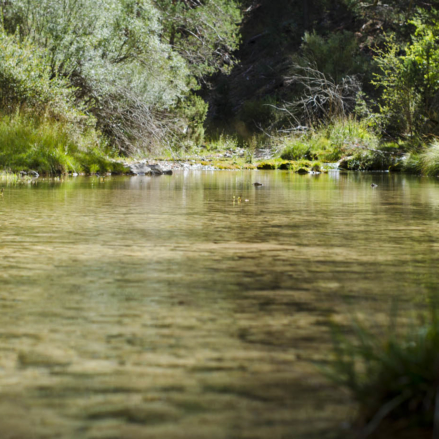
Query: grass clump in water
[[394, 379]]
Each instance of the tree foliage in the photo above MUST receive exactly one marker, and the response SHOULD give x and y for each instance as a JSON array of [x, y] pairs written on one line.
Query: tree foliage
[[119, 57], [204, 33]]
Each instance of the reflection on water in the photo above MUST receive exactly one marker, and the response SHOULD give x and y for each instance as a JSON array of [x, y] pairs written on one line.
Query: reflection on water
[[159, 308]]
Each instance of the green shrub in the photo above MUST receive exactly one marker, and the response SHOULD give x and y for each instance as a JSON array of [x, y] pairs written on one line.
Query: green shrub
[[329, 143], [369, 160], [193, 111], [26, 79], [296, 150], [337, 56]]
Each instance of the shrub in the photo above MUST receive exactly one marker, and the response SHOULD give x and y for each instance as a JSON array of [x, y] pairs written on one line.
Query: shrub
[[329, 143], [296, 150], [26, 79], [369, 160], [337, 56], [412, 164], [193, 111]]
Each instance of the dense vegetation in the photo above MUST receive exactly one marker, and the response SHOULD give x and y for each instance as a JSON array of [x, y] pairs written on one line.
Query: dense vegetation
[[307, 67], [315, 80], [118, 75]]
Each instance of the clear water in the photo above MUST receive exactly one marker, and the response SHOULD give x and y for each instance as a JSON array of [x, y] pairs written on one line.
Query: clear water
[[161, 308]]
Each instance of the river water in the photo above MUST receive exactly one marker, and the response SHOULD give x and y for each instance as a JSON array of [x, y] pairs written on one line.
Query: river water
[[141, 307]]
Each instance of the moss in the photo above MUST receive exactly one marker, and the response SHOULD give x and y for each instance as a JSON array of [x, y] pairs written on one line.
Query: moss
[[286, 165], [267, 165], [316, 167]]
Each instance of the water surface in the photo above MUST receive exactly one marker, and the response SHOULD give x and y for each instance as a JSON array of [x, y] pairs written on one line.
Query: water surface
[[161, 308]]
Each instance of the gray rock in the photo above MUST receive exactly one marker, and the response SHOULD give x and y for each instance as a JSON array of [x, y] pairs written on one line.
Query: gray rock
[[143, 168], [139, 168]]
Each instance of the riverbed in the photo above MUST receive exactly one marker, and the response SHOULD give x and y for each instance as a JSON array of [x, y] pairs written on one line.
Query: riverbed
[[198, 305]]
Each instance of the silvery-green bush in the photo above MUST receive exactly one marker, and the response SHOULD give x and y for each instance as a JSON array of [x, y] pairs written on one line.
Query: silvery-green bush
[[119, 57]]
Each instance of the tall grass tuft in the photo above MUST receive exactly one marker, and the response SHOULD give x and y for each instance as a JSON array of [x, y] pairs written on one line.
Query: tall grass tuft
[[395, 378], [430, 160]]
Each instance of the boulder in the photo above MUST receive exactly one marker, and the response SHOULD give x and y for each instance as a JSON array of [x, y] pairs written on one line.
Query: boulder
[[344, 162], [143, 168], [34, 174]]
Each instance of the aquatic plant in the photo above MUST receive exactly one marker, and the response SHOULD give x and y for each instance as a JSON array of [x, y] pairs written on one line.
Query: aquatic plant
[[394, 378]]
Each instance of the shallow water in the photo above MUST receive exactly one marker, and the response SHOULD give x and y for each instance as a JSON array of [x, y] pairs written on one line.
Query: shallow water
[[160, 308]]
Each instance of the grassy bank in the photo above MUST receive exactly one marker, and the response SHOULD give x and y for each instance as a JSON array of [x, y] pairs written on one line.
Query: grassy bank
[[348, 142], [50, 146], [42, 144]]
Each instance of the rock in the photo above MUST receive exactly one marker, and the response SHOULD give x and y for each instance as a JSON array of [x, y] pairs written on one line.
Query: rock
[[143, 168], [302, 171], [22, 173], [34, 174], [139, 168], [156, 169], [344, 162]]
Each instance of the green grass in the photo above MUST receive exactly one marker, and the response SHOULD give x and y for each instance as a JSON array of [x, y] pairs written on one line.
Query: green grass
[[50, 147], [429, 160], [394, 377], [8, 177], [329, 143]]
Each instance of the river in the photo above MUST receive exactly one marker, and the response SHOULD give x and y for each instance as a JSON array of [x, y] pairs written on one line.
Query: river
[[165, 308]]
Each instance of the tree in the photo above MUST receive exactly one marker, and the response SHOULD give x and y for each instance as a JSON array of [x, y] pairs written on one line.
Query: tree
[[118, 56], [409, 79], [203, 32]]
